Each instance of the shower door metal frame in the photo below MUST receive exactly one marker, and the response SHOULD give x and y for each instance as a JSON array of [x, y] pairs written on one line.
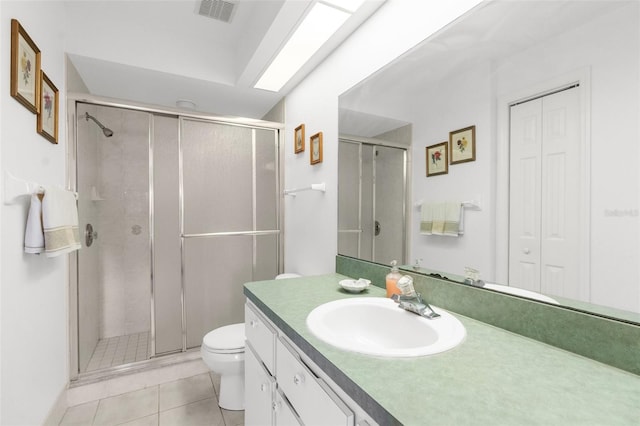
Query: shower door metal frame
[[73, 100]]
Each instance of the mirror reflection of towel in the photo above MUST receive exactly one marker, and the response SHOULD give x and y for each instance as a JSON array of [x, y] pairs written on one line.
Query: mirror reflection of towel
[[442, 219], [426, 218], [438, 219], [453, 219]]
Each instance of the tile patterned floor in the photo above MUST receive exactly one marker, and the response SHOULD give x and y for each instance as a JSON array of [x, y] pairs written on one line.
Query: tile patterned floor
[[119, 350], [188, 402]]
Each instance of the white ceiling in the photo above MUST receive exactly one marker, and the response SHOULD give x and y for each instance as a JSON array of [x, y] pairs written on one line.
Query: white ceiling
[[489, 32], [159, 51]]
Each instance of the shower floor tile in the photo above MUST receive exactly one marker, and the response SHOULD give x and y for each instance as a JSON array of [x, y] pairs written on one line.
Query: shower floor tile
[[119, 350]]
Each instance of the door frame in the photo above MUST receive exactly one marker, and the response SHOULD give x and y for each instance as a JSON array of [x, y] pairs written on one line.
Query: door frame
[[73, 99], [582, 77]]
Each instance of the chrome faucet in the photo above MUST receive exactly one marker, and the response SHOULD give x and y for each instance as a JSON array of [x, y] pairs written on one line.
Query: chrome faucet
[[415, 304]]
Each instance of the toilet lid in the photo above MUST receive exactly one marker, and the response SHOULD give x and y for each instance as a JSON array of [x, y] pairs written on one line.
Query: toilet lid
[[227, 338]]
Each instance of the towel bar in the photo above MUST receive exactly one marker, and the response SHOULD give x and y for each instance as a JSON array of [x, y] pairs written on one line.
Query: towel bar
[[314, 186], [15, 187], [471, 205]]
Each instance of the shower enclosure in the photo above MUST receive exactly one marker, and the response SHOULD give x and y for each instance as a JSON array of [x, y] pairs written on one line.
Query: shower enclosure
[[178, 211], [372, 192]]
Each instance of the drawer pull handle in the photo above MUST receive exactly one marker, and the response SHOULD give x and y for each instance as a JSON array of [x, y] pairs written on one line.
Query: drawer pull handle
[[254, 323], [298, 379], [263, 387], [274, 406]]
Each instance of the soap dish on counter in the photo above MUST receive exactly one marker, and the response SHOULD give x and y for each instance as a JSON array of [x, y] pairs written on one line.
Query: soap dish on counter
[[355, 286]]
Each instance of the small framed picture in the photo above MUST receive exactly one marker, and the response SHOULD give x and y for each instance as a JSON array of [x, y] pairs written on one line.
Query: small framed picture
[[48, 111], [25, 68], [316, 148], [298, 139], [462, 145], [437, 161]]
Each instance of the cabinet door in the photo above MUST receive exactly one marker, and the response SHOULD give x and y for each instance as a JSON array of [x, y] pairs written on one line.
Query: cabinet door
[[283, 413], [261, 336], [309, 395], [259, 388]]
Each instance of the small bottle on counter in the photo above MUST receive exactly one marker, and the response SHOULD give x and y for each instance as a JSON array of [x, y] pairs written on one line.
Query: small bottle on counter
[[392, 280]]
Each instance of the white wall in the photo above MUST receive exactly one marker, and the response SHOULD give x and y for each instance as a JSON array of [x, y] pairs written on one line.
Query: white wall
[[311, 217], [34, 344], [434, 116]]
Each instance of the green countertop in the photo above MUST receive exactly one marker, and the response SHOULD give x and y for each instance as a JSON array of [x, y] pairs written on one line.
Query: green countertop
[[494, 377]]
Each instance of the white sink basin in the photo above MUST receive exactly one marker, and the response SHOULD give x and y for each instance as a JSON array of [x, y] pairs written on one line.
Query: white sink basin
[[520, 292], [377, 326]]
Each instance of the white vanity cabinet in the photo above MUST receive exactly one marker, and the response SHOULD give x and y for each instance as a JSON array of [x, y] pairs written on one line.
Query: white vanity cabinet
[[276, 371]]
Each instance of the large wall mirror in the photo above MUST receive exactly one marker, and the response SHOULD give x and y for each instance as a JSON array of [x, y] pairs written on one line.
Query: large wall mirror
[[553, 90]]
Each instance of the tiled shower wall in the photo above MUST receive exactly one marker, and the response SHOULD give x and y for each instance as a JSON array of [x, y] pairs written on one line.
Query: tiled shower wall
[[123, 222]]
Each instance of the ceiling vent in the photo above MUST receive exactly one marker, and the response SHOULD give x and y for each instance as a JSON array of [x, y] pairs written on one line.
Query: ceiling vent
[[217, 9]]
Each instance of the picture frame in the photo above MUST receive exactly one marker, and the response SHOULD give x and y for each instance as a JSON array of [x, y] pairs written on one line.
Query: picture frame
[[48, 109], [298, 139], [315, 143], [462, 145], [25, 68], [437, 159]]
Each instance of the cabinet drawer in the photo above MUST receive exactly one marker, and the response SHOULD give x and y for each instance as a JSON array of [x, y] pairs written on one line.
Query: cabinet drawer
[[310, 397], [282, 412], [259, 387], [261, 335]]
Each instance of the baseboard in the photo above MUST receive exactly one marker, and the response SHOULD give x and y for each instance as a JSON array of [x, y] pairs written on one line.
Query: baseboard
[[108, 387], [57, 411]]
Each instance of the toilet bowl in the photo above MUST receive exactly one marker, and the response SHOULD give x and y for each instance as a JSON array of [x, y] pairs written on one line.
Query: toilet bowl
[[223, 351]]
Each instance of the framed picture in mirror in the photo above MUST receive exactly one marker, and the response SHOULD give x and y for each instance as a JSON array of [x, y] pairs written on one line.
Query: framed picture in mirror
[[25, 68], [437, 161], [316, 148], [462, 145], [298, 139], [47, 124]]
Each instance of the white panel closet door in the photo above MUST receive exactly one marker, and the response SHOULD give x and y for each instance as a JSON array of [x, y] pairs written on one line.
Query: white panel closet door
[[561, 194], [545, 192], [525, 195]]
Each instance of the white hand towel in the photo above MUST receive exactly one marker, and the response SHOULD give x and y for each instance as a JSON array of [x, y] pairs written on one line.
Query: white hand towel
[[438, 219], [34, 235], [426, 218], [452, 219], [60, 222]]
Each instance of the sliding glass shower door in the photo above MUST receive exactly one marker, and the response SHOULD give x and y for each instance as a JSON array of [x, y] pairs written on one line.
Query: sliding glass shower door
[[184, 212], [229, 227]]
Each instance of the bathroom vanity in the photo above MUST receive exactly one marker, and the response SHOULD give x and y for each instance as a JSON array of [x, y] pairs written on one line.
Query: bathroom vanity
[[493, 377]]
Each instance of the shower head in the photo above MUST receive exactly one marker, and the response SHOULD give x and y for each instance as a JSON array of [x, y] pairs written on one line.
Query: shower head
[[105, 130]]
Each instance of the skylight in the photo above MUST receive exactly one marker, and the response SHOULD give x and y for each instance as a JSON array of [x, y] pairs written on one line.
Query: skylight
[[316, 28]]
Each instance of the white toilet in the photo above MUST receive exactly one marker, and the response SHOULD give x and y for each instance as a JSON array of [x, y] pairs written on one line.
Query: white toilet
[[287, 275], [223, 351]]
